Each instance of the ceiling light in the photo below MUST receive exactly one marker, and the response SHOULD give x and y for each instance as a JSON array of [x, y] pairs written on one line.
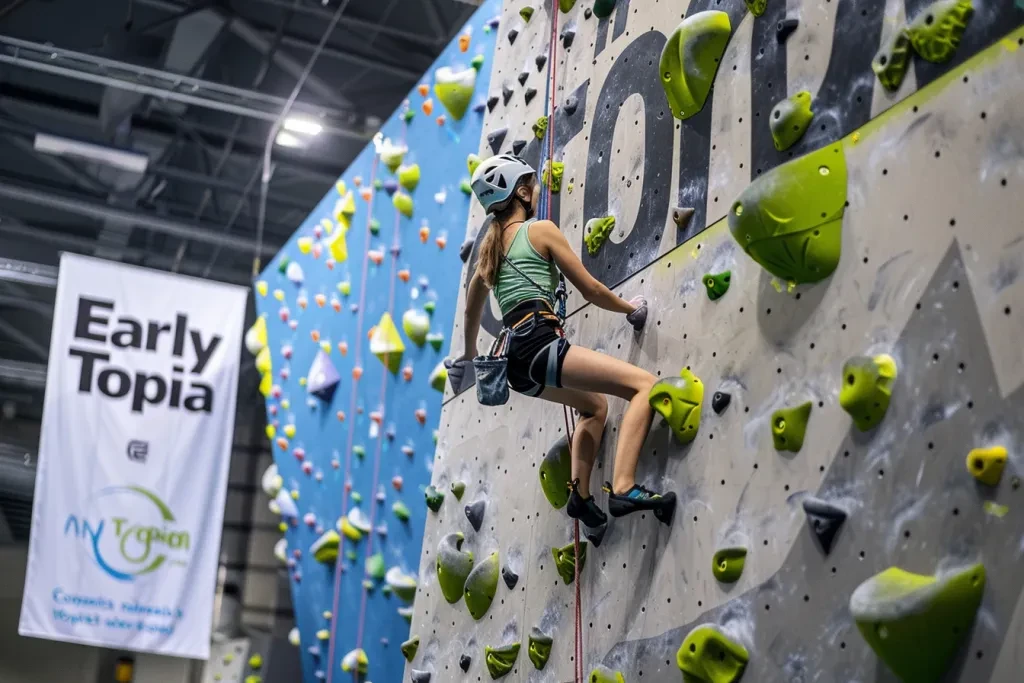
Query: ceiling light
[[297, 124], [125, 160], [286, 139]]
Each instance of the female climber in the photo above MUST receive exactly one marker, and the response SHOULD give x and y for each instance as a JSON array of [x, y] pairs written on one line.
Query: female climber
[[520, 259]]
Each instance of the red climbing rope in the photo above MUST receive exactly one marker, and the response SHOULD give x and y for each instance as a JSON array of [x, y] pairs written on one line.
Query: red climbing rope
[[339, 563]]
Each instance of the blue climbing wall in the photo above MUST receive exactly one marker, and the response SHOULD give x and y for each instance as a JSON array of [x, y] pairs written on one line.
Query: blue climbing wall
[[372, 444]]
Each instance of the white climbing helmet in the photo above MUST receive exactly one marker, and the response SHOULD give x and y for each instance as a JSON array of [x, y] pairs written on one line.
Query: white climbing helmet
[[496, 178]]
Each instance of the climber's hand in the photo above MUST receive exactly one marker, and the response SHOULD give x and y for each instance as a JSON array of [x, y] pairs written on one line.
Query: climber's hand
[[638, 318]]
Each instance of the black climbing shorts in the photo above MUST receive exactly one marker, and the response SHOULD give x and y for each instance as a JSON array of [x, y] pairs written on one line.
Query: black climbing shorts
[[536, 349]]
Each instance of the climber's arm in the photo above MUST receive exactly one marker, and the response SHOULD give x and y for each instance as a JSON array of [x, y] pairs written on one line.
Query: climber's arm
[[547, 235], [476, 297]]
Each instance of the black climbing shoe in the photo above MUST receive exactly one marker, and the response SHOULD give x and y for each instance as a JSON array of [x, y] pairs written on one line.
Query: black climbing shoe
[[639, 498], [584, 509]]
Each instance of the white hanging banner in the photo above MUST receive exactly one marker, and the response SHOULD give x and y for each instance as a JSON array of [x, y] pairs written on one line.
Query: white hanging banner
[[133, 459]]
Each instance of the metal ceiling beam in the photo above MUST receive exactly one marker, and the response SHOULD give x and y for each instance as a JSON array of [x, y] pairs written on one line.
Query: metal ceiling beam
[[165, 85], [402, 72], [12, 270], [8, 301], [11, 332], [65, 168], [186, 176], [28, 375], [353, 24], [208, 234]]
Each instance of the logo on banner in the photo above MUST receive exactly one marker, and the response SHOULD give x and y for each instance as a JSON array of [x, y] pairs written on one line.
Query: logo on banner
[[130, 532]]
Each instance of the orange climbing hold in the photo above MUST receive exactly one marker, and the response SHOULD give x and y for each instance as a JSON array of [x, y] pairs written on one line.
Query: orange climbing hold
[[404, 275], [441, 120], [397, 482], [423, 89], [421, 415], [464, 41], [428, 106], [366, 193], [320, 299], [424, 233], [442, 241], [377, 416], [343, 347], [340, 415], [376, 256], [357, 372], [315, 336], [336, 305], [282, 443], [302, 301]]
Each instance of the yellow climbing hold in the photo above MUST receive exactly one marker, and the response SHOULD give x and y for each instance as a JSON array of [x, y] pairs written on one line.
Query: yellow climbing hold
[[709, 656], [986, 464], [262, 287], [338, 246], [289, 430], [351, 533], [690, 58], [305, 244], [386, 343]]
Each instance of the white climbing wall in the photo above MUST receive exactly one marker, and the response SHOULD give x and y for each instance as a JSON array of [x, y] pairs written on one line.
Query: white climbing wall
[[932, 252]]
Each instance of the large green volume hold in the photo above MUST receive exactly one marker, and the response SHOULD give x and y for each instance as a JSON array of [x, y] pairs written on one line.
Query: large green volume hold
[[935, 33], [790, 220], [867, 388], [555, 474], [916, 624], [690, 58], [679, 400], [789, 120], [410, 648], [789, 426], [709, 656], [500, 660], [481, 585], [540, 648], [565, 561], [453, 566]]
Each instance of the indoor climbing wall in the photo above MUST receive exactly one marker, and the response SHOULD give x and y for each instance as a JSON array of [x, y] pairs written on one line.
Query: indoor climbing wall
[[355, 311], [820, 201]]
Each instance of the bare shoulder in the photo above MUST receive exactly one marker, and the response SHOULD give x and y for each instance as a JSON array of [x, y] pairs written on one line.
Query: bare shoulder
[[545, 230]]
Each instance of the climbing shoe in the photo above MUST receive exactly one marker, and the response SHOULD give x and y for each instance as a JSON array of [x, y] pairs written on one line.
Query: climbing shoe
[[639, 498], [584, 509]]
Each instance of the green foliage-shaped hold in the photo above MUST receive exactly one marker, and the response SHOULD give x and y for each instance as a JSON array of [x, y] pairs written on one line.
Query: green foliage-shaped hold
[[453, 566], [401, 511], [756, 7], [465, 187], [540, 127], [603, 8], [596, 233], [409, 176], [790, 220], [375, 567], [727, 564], [472, 162], [477, 62], [935, 33], [867, 388], [690, 58], [603, 675], [717, 284], [403, 203], [434, 498], [526, 13], [481, 585], [790, 119], [539, 648], [679, 400], [789, 426], [553, 179], [565, 561], [458, 488], [555, 474], [416, 325], [916, 624], [500, 660], [566, 5], [891, 62], [708, 655], [455, 89], [410, 648]]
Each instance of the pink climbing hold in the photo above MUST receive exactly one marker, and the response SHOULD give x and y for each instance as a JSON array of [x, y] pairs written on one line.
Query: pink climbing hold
[[302, 301], [318, 231], [285, 373], [421, 415], [318, 250], [330, 263], [275, 391], [293, 324], [284, 313], [300, 454], [335, 463], [343, 348], [307, 467], [272, 410], [310, 519], [407, 373], [286, 351], [397, 482], [377, 416], [341, 415]]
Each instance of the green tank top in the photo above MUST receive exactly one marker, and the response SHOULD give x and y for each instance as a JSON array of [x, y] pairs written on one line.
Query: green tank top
[[511, 288]]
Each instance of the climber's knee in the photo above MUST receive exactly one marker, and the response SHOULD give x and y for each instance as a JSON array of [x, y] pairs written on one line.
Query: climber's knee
[[600, 408]]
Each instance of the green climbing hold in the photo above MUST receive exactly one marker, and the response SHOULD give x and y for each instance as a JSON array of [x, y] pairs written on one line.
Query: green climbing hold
[[727, 564], [325, 549], [477, 62], [709, 656], [401, 511], [914, 623], [554, 178], [481, 585], [359, 451], [453, 566], [282, 264], [472, 162], [351, 555], [409, 176], [603, 675], [434, 498], [756, 7], [375, 567], [374, 227], [596, 233], [256, 662], [891, 62], [465, 187], [403, 585], [416, 325], [790, 220], [935, 33], [540, 127], [603, 8], [566, 5], [539, 648], [500, 660], [403, 203], [408, 115], [679, 400], [555, 474], [526, 13], [438, 377], [458, 488], [717, 284], [436, 341], [565, 561], [455, 89], [789, 426], [410, 648], [690, 58], [867, 388], [789, 120]]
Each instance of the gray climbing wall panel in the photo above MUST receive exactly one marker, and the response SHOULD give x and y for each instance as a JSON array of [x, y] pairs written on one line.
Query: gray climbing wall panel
[[932, 252]]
